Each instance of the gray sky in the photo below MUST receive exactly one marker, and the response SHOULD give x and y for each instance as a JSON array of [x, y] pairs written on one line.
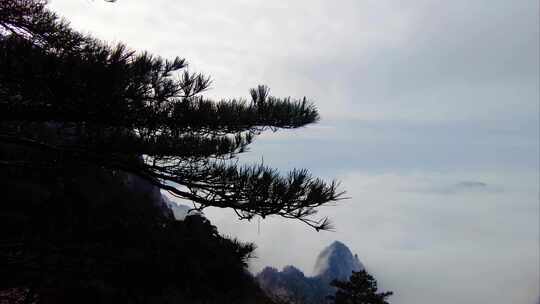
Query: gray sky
[[430, 120]]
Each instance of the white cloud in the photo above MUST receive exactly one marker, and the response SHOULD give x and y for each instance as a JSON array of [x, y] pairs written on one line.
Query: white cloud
[[468, 247], [375, 56]]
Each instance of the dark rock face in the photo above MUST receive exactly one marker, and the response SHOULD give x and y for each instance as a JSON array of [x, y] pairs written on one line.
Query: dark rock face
[[105, 236], [142, 188], [292, 285], [335, 262]]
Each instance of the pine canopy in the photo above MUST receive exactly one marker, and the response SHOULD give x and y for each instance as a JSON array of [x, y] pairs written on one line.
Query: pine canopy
[[360, 289], [77, 101]]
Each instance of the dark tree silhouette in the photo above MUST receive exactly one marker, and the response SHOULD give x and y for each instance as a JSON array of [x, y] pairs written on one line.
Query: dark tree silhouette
[[72, 101], [360, 289]]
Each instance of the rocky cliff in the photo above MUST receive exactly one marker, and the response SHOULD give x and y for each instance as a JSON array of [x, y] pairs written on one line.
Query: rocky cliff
[[334, 262]]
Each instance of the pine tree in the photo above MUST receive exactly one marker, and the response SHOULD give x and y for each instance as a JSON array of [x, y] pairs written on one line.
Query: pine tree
[[360, 289], [70, 100]]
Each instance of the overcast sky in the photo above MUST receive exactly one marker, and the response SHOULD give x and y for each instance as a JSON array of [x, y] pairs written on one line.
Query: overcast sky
[[430, 119]]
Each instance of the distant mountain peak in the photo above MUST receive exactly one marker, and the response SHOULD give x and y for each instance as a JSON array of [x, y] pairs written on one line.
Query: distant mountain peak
[[336, 262], [179, 211], [292, 271]]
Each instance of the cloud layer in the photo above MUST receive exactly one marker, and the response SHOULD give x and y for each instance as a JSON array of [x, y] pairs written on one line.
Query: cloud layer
[[464, 246]]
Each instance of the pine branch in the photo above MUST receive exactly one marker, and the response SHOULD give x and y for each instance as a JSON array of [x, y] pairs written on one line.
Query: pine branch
[[87, 103]]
